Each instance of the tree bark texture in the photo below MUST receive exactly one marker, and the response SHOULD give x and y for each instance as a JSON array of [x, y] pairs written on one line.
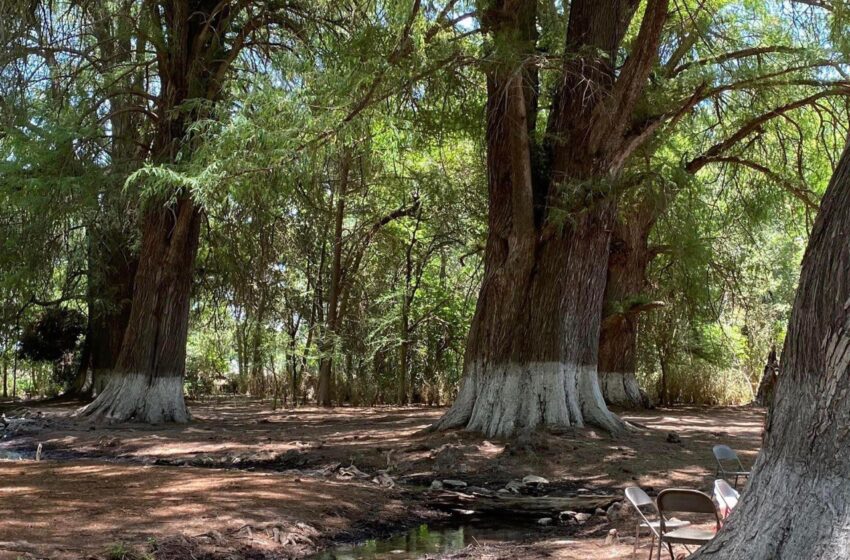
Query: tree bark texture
[[325, 392], [767, 385], [625, 299], [796, 503], [148, 385], [112, 269], [532, 351]]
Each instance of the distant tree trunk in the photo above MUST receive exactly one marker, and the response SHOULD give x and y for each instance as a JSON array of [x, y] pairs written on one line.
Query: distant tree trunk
[[325, 393], [241, 360], [293, 361], [625, 299], [149, 387], [532, 351], [81, 386], [406, 299], [767, 385], [349, 378], [796, 502], [404, 352], [15, 370], [5, 377], [258, 379], [663, 382]]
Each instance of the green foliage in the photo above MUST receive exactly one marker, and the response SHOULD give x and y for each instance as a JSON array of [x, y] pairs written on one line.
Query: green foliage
[[55, 334]]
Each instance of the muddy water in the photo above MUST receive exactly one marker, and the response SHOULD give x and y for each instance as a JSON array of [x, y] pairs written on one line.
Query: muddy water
[[427, 541]]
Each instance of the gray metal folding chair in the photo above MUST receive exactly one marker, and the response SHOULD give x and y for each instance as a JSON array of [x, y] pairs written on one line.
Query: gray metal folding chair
[[725, 453], [680, 500], [639, 499]]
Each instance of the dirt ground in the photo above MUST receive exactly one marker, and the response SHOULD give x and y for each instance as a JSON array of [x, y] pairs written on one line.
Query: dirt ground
[[244, 481]]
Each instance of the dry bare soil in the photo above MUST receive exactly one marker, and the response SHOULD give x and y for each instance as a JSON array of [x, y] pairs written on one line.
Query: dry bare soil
[[245, 481]]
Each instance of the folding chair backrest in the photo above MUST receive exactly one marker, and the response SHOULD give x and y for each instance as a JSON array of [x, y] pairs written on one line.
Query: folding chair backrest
[[726, 453], [727, 495], [638, 497], [681, 500]]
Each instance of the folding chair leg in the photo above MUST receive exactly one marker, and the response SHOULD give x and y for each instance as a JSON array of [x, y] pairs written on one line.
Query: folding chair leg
[[670, 549], [651, 546], [637, 539]]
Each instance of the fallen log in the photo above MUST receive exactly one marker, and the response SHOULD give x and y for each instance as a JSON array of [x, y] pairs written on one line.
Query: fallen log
[[519, 505]]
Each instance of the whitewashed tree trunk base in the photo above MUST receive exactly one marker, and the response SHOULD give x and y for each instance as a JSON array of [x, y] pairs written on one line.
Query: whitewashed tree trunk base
[[139, 397], [622, 389], [502, 400], [100, 380]]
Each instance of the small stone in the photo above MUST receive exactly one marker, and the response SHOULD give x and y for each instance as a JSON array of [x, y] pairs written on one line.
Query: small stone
[[618, 512], [514, 486], [503, 491], [582, 491], [582, 518], [613, 537], [567, 517], [384, 480], [451, 483], [673, 437], [544, 521], [436, 485], [480, 491], [533, 480], [599, 512]]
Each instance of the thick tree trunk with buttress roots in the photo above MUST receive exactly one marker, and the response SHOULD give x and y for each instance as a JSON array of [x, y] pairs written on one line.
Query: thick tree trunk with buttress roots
[[797, 502], [148, 384], [531, 358], [531, 355]]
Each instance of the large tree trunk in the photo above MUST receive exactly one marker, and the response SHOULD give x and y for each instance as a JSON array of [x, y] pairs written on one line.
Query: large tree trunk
[[532, 351], [625, 299], [796, 504], [150, 367], [112, 269], [202, 39]]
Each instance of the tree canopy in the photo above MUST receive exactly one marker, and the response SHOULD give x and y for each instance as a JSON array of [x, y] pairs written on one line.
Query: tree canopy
[[335, 158]]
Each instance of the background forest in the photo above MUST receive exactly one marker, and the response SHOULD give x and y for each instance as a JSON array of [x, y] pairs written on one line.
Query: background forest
[[342, 178]]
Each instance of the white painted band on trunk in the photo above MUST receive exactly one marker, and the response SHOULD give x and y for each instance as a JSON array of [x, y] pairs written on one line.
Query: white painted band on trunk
[[621, 389], [141, 397], [505, 399]]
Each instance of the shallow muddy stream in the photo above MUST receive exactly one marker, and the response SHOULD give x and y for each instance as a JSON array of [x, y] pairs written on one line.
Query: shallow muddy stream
[[427, 541]]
